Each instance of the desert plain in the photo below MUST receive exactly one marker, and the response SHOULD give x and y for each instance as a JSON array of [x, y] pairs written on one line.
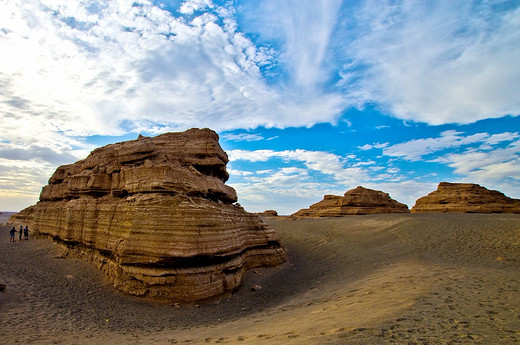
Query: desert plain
[[439, 278]]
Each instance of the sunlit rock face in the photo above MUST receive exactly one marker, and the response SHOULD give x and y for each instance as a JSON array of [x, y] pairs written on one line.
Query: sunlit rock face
[[466, 198], [356, 201], [156, 216]]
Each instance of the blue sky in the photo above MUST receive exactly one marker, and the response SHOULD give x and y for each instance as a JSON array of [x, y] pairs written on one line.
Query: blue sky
[[309, 97]]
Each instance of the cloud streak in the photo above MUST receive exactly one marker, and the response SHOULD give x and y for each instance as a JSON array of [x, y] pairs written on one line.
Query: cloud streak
[[419, 149], [421, 62], [303, 30]]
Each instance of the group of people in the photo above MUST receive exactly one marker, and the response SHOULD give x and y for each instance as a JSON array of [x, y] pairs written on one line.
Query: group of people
[[24, 231]]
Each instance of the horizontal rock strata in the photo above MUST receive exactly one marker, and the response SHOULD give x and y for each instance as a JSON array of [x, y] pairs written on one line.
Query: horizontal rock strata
[[357, 201], [25, 217], [156, 216], [466, 198]]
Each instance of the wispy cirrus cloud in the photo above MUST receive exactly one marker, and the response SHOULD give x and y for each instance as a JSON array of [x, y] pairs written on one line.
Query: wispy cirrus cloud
[[242, 137], [421, 62], [419, 149], [302, 31], [416, 149]]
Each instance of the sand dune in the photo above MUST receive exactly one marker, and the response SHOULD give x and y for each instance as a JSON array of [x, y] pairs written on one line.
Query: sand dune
[[379, 279]]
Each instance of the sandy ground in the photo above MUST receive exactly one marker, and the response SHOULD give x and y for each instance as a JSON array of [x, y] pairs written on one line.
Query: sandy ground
[[404, 279]]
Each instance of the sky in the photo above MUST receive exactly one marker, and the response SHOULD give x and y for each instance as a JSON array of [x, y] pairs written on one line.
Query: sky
[[308, 97]]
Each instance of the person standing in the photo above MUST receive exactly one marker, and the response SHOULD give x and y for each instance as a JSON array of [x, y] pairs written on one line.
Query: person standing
[[11, 233], [21, 231], [26, 232]]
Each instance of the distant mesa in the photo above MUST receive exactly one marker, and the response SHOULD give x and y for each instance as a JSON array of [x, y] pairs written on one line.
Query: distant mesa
[[155, 215], [268, 213], [465, 198], [357, 201]]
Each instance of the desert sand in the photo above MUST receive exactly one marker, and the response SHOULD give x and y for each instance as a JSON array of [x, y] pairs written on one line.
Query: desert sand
[[377, 279]]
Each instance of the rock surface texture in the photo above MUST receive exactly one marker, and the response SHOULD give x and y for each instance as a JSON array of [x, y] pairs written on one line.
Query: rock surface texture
[[156, 216], [356, 201], [466, 198]]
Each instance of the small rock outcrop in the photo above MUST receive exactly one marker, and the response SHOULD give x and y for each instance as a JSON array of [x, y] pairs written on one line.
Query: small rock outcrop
[[465, 198], [156, 216], [356, 201], [268, 213]]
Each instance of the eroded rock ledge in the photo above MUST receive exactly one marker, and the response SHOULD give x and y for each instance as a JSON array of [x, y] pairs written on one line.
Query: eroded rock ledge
[[465, 198], [156, 216]]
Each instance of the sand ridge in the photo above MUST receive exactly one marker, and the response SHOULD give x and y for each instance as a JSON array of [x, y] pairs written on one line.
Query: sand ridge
[[379, 279]]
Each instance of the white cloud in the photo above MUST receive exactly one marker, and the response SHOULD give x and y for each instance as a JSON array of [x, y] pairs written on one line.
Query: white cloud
[[74, 69], [188, 7], [242, 137], [251, 156], [25, 166], [477, 158], [234, 172], [104, 70], [486, 165], [500, 137], [367, 147], [289, 187], [71, 69], [339, 168], [416, 149], [303, 30], [422, 62]]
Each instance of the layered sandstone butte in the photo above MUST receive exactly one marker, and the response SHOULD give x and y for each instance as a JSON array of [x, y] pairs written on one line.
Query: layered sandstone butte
[[356, 201], [268, 213], [157, 218], [466, 198]]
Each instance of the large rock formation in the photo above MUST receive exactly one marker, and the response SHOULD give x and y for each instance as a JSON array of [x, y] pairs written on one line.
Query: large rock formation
[[466, 198], [156, 216], [356, 201]]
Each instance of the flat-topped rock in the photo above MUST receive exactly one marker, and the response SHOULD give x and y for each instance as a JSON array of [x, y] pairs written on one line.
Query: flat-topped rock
[[156, 216], [356, 201], [268, 213], [466, 198]]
